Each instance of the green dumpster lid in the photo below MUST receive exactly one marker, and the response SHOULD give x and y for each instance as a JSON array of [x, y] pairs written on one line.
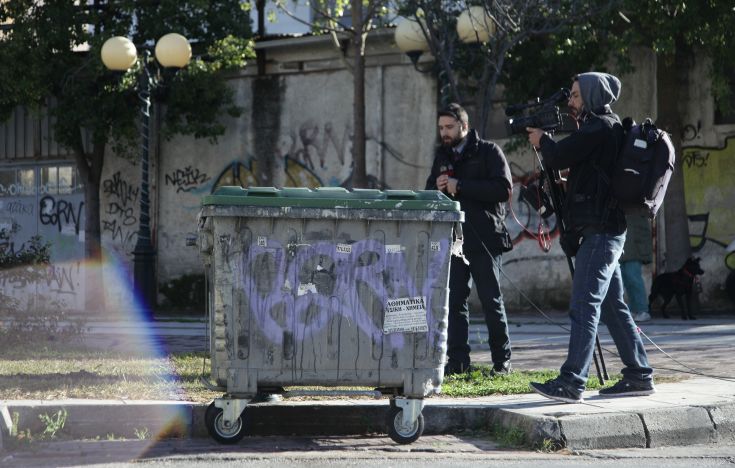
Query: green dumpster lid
[[332, 197]]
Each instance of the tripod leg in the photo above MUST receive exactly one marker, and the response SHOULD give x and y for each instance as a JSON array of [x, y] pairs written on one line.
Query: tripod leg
[[597, 367], [602, 360]]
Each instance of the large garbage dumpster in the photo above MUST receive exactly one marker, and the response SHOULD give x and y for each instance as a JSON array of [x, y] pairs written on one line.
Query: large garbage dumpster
[[329, 288]]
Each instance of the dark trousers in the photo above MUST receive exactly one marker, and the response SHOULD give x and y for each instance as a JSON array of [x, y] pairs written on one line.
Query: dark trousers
[[485, 273]]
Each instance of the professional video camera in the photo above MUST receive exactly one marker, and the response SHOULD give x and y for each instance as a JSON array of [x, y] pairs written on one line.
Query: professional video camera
[[543, 113]]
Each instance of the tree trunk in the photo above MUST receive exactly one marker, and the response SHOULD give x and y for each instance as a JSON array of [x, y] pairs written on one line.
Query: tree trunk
[[90, 170], [672, 82], [359, 169]]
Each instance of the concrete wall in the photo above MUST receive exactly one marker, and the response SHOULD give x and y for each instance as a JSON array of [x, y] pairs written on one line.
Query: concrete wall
[[45, 202], [708, 163]]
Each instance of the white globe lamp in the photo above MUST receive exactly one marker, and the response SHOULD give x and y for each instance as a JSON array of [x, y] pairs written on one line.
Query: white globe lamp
[[475, 25], [119, 53]]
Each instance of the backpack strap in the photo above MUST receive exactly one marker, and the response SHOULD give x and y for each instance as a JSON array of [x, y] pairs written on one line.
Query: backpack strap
[[612, 203]]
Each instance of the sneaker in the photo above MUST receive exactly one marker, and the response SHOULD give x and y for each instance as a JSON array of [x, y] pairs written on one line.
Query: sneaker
[[503, 368], [628, 388], [556, 391], [642, 317]]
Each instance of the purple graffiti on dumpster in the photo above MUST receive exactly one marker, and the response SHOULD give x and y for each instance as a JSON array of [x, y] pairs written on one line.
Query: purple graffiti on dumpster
[[334, 282]]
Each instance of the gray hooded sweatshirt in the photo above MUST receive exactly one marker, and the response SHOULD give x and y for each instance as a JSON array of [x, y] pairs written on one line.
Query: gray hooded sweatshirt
[[598, 90]]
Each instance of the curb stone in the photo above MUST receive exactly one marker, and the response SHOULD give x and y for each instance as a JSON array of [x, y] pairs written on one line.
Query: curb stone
[[603, 431], [679, 426], [723, 418], [684, 425], [537, 430]]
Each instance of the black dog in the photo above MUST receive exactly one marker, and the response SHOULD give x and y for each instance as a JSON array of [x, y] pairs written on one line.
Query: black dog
[[680, 284]]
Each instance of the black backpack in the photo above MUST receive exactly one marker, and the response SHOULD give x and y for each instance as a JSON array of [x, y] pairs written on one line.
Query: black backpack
[[643, 168]]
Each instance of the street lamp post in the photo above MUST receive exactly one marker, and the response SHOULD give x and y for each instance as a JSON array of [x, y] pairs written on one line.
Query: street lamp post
[[119, 54]]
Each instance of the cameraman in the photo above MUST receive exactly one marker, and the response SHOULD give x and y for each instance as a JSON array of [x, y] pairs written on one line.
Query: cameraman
[[475, 173], [595, 234]]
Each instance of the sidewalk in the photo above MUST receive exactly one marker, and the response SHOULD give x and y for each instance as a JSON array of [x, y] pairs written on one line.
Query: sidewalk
[[695, 411]]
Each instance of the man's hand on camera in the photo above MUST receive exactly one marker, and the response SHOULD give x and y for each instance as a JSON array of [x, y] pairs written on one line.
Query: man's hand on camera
[[534, 136]]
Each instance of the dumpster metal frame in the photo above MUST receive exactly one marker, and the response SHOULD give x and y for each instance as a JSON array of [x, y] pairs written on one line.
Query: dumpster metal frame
[[389, 210]]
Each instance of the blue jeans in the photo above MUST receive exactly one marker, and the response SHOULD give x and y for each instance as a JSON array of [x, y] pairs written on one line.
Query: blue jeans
[[597, 292], [634, 286]]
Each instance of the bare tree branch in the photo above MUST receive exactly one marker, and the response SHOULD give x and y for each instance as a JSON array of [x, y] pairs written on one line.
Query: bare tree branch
[[515, 21]]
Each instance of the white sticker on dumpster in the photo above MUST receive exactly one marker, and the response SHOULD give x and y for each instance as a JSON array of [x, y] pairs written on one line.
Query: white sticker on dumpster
[[306, 288], [344, 248], [435, 246], [393, 248], [405, 315]]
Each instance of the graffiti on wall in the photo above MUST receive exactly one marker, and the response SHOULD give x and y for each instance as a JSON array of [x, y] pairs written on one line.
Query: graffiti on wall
[[17, 207], [8, 228], [244, 174], [320, 144], [696, 158], [56, 279], [119, 218], [26, 282], [186, 179], [691, 132], [708, 176], [61, 213], [311, 155]]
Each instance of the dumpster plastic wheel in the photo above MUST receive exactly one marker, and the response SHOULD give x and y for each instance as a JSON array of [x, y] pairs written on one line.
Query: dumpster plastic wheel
[[216, 428], [398, 431]]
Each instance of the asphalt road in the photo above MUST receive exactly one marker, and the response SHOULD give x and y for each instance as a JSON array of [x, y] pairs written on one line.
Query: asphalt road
[[365, 451]]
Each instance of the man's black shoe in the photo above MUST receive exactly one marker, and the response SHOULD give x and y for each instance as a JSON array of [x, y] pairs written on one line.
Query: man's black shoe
[[628, 388], [556, 391], [504, 368]]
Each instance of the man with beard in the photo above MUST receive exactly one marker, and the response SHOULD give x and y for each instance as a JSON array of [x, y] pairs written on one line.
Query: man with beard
[[476, 174]]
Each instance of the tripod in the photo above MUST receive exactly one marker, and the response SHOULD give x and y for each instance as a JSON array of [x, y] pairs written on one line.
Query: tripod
[[557, 194]]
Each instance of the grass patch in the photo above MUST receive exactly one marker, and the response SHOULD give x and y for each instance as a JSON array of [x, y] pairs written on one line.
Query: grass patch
[[512, 437], [57, 374], [479, 382], [65, 371]]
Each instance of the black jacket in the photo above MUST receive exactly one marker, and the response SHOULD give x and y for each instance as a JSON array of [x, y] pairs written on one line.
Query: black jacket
[[486, 185], [590, 154]]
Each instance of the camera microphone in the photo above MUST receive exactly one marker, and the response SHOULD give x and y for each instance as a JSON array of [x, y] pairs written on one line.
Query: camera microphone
[[561, 95]]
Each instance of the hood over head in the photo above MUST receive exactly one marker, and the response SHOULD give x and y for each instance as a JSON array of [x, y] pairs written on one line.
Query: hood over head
[[598, 89]]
